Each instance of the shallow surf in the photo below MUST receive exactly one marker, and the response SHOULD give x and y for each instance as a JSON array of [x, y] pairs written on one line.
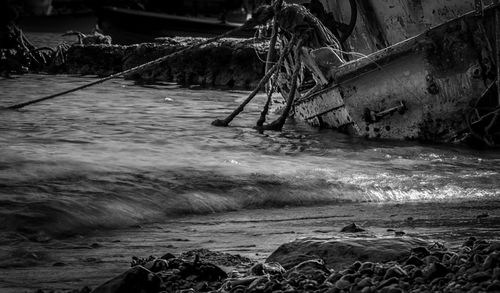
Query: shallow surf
[[118, 157]]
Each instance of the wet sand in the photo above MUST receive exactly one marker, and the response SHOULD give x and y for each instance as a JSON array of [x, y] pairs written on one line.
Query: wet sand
[[92, 259]]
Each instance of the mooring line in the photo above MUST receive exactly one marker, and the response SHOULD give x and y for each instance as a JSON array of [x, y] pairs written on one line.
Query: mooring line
[[130, 70]]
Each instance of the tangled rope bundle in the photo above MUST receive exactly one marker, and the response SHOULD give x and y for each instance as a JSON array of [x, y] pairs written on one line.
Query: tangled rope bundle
[[295, 27], [299, 32], [20, 55]]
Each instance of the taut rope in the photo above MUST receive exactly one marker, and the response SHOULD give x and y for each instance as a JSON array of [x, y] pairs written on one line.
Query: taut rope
[[130, 70]]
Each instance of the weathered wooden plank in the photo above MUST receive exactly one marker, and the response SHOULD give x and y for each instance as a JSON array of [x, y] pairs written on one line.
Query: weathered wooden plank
[[321, 103]]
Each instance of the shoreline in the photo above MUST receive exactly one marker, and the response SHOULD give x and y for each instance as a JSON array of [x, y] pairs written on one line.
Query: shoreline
[[403, 265], [95, 258]]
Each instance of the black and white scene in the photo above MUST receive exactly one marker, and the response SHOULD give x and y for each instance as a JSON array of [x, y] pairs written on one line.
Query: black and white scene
[[249, 146]]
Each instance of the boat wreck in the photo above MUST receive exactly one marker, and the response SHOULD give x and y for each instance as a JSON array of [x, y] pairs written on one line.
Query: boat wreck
[[436, 86], [428, 70], [439, 85]]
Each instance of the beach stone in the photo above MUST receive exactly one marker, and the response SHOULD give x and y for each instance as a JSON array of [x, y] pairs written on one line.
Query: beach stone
[[352, 228], [136, 279], [380, 270], [479, 277], [259, 282], [356, 265], [496, 273], [420, 251], [448, 259], [395, 271], [267, 268], [388, 282], [491, 261], [167, 256], [334, 277], [218, 258], [391, 289], [311, 269], [157, 265], [418, 273], [494, 287], [366, 268], [430, 259], [480, 245], [435, 270], [469, 242], [347, 272], [413, 260], [365, 282], [202, 271], [494, 246], [338, 253], [342, 284], [438, 255]]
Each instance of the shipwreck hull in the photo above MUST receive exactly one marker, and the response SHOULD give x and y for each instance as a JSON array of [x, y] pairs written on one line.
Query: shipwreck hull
[[383, 23], [423, 88]]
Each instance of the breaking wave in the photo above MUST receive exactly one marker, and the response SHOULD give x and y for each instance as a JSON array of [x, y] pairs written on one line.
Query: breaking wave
[[119, 155], [62, 197]]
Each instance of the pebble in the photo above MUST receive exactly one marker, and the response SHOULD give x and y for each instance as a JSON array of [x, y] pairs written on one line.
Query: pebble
[[413, 260], [474, 267], [395, 271], [342, 284]]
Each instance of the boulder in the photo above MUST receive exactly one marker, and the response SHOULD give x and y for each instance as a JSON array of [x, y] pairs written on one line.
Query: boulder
[[136, 280], [337, 253]]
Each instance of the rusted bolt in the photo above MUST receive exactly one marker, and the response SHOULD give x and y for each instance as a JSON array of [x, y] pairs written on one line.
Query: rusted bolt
[[476, 72]]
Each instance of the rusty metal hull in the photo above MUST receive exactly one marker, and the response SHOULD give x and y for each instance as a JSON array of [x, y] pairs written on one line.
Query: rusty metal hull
[[424, 88], [383, 23]]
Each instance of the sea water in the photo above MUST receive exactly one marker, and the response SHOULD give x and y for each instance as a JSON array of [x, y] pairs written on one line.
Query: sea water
[[119, 156]]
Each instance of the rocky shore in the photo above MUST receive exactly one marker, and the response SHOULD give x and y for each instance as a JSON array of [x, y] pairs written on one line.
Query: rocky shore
[[228, 63], [399, 264]]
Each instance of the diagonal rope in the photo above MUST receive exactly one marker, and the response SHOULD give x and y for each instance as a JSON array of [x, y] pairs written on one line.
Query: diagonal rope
[[130, 70], [225, 122]]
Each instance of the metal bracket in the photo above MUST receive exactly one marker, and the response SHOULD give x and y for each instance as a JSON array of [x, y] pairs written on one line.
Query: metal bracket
[[372, 116]]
